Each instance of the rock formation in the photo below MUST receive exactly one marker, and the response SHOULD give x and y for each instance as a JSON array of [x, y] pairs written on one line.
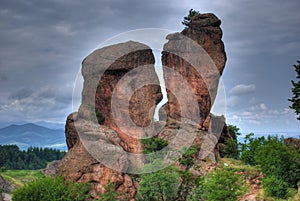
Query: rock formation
[[120, 92], [198, 55], [115, 96]]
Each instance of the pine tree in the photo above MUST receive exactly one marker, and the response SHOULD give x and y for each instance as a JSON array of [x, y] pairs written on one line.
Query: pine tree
[[186, 20], [296, 91]]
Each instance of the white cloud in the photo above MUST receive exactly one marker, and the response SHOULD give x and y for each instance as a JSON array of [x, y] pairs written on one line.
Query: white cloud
[[242, 89], [263, 106]]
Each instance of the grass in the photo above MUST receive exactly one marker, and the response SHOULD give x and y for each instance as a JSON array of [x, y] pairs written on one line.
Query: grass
[[19, 177]]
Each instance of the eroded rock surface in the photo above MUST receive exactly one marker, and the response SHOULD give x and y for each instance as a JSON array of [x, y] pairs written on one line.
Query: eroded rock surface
[[198, 55], [120, 92]]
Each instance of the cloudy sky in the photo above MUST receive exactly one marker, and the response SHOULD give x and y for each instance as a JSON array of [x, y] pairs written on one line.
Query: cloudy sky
[[44, 42]]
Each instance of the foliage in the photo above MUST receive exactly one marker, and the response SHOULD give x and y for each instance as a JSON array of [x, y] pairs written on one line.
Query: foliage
[[187, 157], [234, 131], [222, 185], [198, 192], [231, 147], [249, 147], [159, 186], [295, 100], [275, 187], [51, 189], [110, 193], [153, 144], [186, 20], [279, 163], [11, 157], [187, 184]]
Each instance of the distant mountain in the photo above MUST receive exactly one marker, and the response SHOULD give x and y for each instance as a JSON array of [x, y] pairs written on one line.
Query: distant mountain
[[265, 134], [50, 125], [30, 134]]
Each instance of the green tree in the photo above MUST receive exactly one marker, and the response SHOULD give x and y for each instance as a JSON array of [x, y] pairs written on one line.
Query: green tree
[[280, 164], [231, 146], [159, 186], [279, 160], [295, 100], [186, 20], [249, 147]]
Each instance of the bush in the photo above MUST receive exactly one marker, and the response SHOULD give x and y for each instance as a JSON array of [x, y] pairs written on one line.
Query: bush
[[110, 193], [153, 144], [221, 185], [275, 187], [188, 156], [159, 186], [278, 160], [279, 163], [51, 189]]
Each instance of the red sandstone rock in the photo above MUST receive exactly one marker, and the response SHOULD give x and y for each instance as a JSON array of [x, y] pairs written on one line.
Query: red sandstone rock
[[115, 78], [121, 90], [114, 96], [201, 69]]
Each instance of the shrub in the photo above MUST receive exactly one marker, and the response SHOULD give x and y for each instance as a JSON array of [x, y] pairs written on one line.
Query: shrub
[[159, 186], [275, 187], [187, 157], [153, 144], [51, 189], [110, 193], [222, 185]]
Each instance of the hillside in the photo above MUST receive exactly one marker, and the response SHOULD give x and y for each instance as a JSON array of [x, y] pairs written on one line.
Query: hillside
[[27, 135]]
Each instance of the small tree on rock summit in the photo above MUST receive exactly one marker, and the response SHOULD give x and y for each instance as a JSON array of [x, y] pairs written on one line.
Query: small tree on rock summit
[[186, 20]]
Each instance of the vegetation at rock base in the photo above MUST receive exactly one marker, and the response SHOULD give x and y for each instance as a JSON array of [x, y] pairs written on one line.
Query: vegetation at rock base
[[188, 156], [158, 186], [295, 100], [51, 189], [151, 145], [110, 193], [220, 185], [186, 20], [11, 157]]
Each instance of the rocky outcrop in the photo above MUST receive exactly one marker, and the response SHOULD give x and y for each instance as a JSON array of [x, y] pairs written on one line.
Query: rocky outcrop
[[120, 92], [5, 189], [196, 54], [114, 88], [79, 165], [292, 142], [51, 168]]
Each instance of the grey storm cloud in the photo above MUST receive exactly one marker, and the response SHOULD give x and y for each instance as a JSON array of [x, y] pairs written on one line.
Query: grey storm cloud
[[44, 42], [21, 94]]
